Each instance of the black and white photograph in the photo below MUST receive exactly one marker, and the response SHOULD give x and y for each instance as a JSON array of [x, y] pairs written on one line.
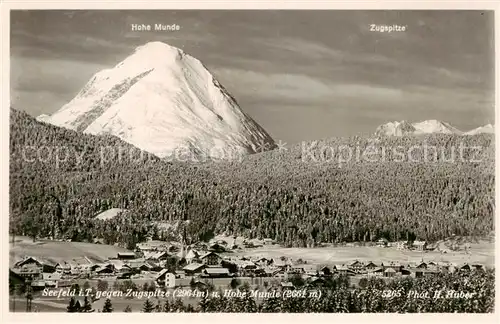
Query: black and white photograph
[[251, 161]]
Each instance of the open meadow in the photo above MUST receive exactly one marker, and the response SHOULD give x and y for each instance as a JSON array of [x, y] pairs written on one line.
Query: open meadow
[[58, 251], [481, 252]]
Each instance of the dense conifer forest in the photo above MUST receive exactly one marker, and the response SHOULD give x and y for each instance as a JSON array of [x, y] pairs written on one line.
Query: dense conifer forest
[[297, 198]]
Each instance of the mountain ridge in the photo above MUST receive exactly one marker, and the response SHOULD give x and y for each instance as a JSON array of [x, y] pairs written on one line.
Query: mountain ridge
[[431, 126]]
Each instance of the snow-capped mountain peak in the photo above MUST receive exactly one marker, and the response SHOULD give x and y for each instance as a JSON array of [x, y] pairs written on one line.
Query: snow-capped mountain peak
[[489, 129], [424, 127], [161, 99], [435, 126]]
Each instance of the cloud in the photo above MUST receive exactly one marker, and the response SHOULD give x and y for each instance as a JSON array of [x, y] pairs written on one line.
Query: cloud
[[304, 48], [301, 88]]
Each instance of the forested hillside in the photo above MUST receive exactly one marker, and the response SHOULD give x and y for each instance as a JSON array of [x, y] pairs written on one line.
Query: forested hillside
[[295, 197]]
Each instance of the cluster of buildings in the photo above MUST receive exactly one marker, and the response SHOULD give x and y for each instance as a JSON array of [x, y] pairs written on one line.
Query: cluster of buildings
[[416, 245], [170, 265], [395, 269], [198, 266]]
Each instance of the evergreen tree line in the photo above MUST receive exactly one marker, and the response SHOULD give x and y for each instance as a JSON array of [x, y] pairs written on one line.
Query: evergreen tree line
[[275, 194], [337, 295]]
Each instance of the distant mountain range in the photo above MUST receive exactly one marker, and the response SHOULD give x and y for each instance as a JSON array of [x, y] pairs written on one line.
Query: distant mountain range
[[161, 100], [401, 128]]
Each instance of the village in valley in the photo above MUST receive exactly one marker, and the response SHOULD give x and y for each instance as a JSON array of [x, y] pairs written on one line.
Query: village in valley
[[220, 263]]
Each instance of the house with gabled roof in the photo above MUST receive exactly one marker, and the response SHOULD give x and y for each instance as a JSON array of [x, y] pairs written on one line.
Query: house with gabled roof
[[326, 271], [190, 255], [393, 265], [345, 270], [389, 272], [194, 268], [421, 265], [370, 266], [31, 262], [283, 264], [215, 272], [356, 266], [419, 245], [211, 259], [375, 272]]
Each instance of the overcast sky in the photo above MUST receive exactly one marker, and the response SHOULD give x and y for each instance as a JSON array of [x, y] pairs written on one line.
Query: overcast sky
[[302, 75]]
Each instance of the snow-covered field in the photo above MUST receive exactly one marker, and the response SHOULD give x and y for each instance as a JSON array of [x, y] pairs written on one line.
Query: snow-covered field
[[57, 251], [482, 252]]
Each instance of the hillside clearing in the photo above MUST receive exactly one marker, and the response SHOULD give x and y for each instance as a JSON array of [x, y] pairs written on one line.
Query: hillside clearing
[[57, 251]]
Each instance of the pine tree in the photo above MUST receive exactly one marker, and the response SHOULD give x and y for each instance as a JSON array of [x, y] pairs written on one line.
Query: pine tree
[[158, 307], [72, 307], [166, 307], [148, 306], [87, 307], [107, 308], [127, 309]]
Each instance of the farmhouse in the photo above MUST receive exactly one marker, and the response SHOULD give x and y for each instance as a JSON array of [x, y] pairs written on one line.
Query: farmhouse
[[193, 269], [283, 264], [396, 266], [63, 267], [307, 269], [389, 272], [345, 270], [32, 263], [106, 269], [215, 273], [420, 245], [421, 265], [370, 266], [356, 266], [245, 267], [261, 261], [211, 258]]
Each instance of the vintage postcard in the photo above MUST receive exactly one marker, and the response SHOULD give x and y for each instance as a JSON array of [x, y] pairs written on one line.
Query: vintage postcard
[[251, 161]]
